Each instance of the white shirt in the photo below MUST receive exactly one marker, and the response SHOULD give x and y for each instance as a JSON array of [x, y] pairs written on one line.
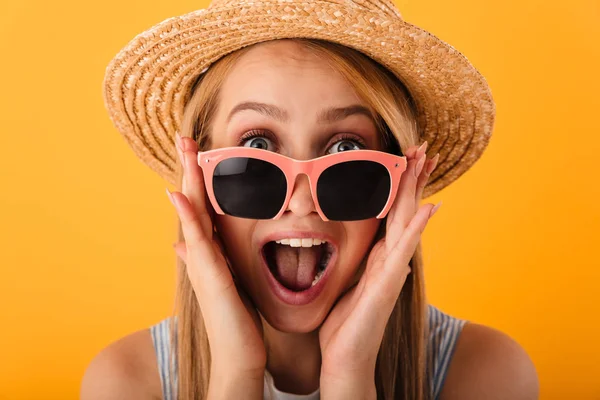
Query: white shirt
[[272, 393]]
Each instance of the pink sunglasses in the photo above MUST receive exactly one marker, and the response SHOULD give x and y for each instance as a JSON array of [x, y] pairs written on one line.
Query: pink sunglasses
[[254, 183]]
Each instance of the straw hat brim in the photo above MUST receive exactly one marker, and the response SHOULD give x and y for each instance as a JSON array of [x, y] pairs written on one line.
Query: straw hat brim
[[147, 84]]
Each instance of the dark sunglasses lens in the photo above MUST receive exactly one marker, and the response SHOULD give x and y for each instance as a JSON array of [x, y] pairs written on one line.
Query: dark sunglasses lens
[[249, 188], [353, 190]]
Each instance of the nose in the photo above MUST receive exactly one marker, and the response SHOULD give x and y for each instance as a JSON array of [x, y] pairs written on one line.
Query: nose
[[301, 203]]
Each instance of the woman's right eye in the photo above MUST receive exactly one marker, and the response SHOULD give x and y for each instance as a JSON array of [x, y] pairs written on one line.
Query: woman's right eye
[[259, 142]]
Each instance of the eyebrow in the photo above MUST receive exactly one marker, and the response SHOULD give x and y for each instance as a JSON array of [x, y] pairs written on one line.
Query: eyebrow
[[262, 108], [334, 114], [328, 115]]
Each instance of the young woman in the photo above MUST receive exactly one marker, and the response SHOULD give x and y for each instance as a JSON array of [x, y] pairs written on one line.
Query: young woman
[[302, 163]]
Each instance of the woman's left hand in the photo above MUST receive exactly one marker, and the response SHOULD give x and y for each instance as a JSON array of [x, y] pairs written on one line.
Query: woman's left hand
[[351, 335]]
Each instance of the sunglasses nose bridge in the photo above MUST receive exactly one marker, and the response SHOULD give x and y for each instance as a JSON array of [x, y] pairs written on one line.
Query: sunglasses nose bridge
[[303, 167], [300, 203]]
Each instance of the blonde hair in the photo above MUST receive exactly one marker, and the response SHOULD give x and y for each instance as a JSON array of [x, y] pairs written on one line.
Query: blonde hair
[[401, 369]]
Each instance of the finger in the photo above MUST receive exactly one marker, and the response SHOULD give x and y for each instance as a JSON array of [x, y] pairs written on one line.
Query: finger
[[219, 242], [412, 156], [424, 177], [212, 274], [404, 249], [371, 305], [180, 250], [216, 239], [411, 152], [374, 307], [379, 295], [416, 151], [384, 285], [405, 204], [193, 178]]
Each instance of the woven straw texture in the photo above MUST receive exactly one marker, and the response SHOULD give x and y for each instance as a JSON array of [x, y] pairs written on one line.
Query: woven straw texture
[[147, 84]]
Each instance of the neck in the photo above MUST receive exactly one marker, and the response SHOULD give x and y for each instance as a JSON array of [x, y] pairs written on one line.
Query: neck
[[293, 359]]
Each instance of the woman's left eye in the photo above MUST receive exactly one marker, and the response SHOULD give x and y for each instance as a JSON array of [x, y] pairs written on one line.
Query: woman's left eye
[[344, 145]]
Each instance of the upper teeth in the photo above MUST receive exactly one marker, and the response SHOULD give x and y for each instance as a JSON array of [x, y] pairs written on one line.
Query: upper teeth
[[304, 242]]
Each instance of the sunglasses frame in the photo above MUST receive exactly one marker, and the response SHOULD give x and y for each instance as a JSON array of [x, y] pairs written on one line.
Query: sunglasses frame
[[291, 168]]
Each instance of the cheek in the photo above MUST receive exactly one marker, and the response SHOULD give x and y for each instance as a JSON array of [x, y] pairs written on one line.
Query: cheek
[[235, 234], [359, 237]]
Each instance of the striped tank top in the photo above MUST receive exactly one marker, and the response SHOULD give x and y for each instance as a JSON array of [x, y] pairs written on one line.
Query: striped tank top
[[443, 335]]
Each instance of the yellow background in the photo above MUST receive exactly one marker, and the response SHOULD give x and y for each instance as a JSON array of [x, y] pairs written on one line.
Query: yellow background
[[86, 229]]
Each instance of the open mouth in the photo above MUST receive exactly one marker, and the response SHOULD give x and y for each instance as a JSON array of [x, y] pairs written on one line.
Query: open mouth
[[298, 264]]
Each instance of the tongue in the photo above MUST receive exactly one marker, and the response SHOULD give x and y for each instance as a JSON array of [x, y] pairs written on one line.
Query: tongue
[[296, 267]]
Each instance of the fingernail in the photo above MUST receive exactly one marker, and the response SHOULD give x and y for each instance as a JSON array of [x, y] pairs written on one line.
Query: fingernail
[[171, 197], [422, 148], [434, 209], [419, 166], [433, 163]]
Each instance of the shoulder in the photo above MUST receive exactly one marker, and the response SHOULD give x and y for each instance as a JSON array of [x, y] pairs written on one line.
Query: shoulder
[[488, 364], [125, 369]]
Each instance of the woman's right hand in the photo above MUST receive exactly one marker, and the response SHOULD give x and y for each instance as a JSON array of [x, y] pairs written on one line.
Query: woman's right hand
[[232, 323]]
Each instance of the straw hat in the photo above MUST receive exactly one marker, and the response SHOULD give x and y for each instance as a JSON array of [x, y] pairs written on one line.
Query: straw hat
[[148, 83]]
